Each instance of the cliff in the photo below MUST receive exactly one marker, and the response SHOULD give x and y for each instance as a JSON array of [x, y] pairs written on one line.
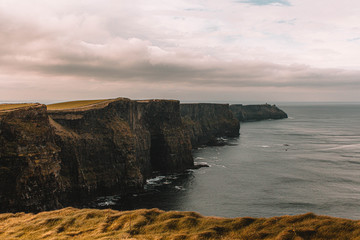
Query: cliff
[[52, 156], [29, 160], [71, 223], [170, 146], [246, 113], [206, 122], [98, 148], [113, 146], [77, 150]]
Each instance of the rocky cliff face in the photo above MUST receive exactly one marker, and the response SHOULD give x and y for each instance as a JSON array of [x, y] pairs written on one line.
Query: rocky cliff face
[[247, 113], [29, 161], [52, 158], [205, 122], [114, 146], [98, 148], [170, 146]]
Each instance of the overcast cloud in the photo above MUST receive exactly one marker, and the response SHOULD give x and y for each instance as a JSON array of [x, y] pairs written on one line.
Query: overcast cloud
[[253, 50]]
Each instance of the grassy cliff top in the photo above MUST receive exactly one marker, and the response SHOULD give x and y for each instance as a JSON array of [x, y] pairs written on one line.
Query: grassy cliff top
[[12, 106], [156, 100], [71, 223], [75, 104]]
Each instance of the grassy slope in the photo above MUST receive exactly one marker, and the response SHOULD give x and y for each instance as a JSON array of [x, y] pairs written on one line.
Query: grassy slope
[[70, 223], [73, 104], [13, 106]]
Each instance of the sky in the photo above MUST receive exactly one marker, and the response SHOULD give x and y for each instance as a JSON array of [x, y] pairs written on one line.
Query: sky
[[192, 50]]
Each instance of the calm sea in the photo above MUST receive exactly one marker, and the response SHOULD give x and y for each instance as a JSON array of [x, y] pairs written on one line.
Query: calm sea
[[309, 162]]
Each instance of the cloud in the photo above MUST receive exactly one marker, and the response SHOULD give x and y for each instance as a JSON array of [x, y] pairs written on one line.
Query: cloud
[[136, 60], [188, 49], [267, 2]]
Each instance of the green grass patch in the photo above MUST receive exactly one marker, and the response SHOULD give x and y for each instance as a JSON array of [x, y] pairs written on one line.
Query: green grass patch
[[74, 104], [9, 106]]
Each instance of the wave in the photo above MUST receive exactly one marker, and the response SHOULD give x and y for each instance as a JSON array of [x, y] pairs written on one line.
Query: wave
[[220, 165], [154, 180], [106, 203], [180, 188], [296, 205], [348, 146], [201, 163], [286, 179]]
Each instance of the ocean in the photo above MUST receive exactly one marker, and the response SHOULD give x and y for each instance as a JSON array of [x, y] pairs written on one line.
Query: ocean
[[309, 162]]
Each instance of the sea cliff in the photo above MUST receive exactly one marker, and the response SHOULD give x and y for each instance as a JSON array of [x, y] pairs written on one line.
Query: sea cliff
[[246, 113], [114, 146], [52, 156]]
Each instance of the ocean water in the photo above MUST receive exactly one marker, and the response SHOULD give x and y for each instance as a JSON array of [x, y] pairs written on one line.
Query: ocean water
[[309, 162]]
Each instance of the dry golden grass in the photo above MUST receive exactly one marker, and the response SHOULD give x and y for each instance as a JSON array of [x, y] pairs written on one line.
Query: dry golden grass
[[10, 106], [74, 104], [153, 224]]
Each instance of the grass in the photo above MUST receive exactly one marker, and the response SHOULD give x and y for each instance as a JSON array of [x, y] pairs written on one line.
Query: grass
[[153, 224], [74, 104], [9, 106]]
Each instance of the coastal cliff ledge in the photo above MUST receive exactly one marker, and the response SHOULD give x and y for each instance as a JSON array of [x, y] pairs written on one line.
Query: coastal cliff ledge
[[152, 224], [248, 113]]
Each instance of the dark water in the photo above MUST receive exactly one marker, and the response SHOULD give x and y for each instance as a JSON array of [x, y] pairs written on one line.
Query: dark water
[[307, 163]]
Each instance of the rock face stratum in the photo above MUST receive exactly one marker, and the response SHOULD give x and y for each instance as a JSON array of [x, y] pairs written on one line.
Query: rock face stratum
[[52, 158], [29, 160]]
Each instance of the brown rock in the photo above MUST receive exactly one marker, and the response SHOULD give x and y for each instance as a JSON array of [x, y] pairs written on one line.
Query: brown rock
[[29, 161]]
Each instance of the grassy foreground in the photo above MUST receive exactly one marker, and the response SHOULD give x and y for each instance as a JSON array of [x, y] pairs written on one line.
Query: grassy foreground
[[71, 223]]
